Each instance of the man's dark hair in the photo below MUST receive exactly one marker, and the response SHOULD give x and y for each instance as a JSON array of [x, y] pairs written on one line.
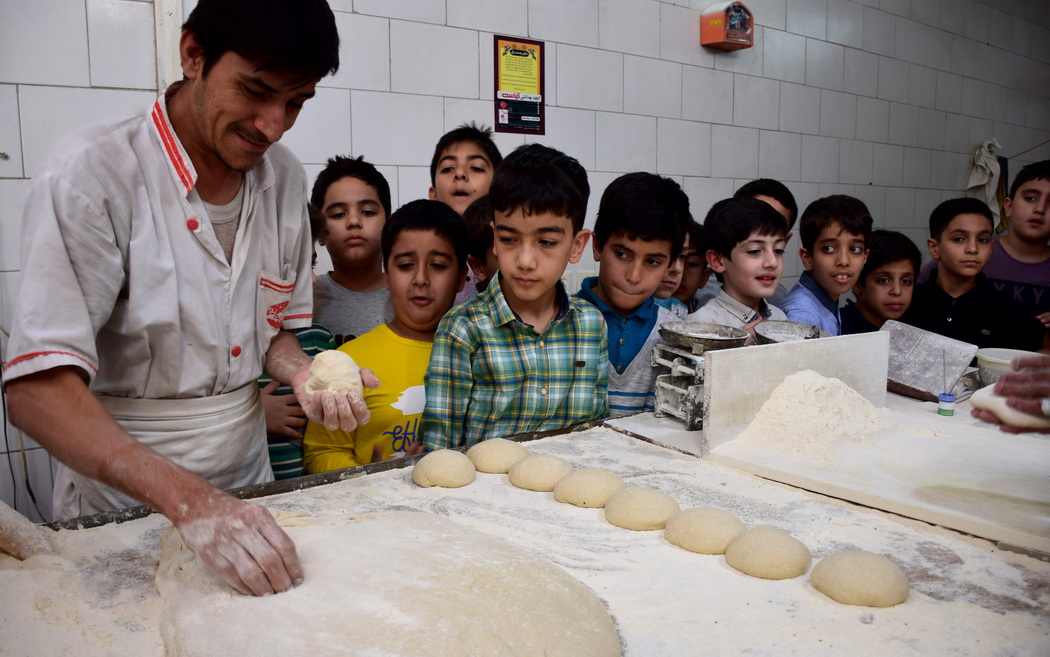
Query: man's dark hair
[[849, 212], [295, 36], [1034, 171], [426, 215], [646, 206], [478, 219], [774, 189], [479, 135], [340, 167], [888, 246], [538, 179], [943, 214]]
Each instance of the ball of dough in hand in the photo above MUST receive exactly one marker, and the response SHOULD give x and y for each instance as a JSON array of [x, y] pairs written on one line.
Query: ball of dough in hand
[[704, 530], [768, 553], [496, 455], [589, 488], [641, 509], [334, 371], [986, 399], [540, 472], [446, 468], [860, 578]]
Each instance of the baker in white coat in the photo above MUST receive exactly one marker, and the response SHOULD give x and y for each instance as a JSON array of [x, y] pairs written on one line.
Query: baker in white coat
[[166, 258]]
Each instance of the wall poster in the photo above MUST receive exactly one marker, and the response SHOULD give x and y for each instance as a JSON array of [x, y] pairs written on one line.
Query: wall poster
[[518, 98]]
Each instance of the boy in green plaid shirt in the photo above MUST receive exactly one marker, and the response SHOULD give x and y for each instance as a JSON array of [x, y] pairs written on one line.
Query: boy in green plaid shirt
[[523, 355]]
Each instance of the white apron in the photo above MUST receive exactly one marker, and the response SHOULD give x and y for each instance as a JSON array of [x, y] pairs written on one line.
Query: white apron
[[221, 438]]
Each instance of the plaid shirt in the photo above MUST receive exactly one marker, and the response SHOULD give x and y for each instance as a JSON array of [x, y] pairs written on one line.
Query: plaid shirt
[[492, 376]]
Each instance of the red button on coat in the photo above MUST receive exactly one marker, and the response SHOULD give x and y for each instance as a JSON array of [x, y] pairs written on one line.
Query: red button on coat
[[236, 351], [192, 224]]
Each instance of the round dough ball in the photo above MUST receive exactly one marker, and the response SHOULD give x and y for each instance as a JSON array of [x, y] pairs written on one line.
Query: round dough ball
[[704, 530], [540, 472], [446, 468], [641, 509], [768, 553], [334, 371], [987, 399], [589, 488], [496, 455], [860, 578]]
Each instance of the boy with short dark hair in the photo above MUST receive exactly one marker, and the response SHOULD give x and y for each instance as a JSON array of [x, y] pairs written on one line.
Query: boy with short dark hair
[[522, 356], [462, 166], [695, 271], [480, 257], [957, 300], [887, 281], [745, 248], [425, 251], [354, 198], [638, 234], [835, 231], [1020, 262]]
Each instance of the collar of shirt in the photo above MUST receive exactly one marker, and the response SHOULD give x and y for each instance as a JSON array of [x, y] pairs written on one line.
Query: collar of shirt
[[739, 310], [807, 281], [505, 314]]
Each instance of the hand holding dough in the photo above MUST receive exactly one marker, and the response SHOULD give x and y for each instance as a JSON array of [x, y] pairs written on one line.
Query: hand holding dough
[[333, 392], [986, 399]]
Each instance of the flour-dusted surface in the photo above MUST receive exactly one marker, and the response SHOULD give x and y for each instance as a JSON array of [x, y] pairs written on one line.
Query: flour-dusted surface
[[967, 598]]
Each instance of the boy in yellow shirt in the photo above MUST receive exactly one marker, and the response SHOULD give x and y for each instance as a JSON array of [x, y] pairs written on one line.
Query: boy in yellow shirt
[[425, 251]]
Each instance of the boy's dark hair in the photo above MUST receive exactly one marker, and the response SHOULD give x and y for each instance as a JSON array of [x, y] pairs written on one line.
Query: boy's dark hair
[[943, 214], [1034, 171], [478, 219], [340, 167], [538, 179], [479, 135], [774, 189], [646, 206], [886, 246], [424, 214], [317, 229], [297, 36], [697, 240], [731, 221], [849, 212]]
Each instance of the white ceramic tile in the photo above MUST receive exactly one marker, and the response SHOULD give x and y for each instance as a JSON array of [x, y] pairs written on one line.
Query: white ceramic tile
[[12, 201], [799, 108], [424, 11], [887, 165], [683, 148], [598, 181], [707, 95], [756, 102], [120, 40], [869, 3], [323, 128], [820, 159], [949, 92], [418, 120], [879, 33], [783, 52], [986, 63], [500, 17], [931, 129], [964, 56], [364, 53], [873, 119], [771, 13], [779, 155], [680, 37], [957, 133], [824, 64], [10, 137], [630, 26], [590, 78], [747, 61], [938, 49], [975, 101], [904, 124], [911, 40], [916, 171], [981, 131], [808, 18], [1016, 110], [391, 176], [570, 131], [39, 464], [455, 50], [874, 198], [705, 192], [900, 208], [336, 5], [838, 114], [861, 73], [951, 15], [828, 189], [45, 114], [56, 55], [898, 7], [927, 13], [624, 142], [855, 161], [1037, 113], [949, 171], [893, 79], [412, 183], [845, 22], [1009, 70], [574, 23], [734, 152], [978, 17], [652, 87], [922, 86]]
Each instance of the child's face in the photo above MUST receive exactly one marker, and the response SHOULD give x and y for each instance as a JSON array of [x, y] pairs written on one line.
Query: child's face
[[673, 278], [463, 174], [965, 246], [1028, 211], [533, 251], [753, 271], [630, 270], [885, 293], [423, 277], [354, 219], [836, 260], [694, 274]]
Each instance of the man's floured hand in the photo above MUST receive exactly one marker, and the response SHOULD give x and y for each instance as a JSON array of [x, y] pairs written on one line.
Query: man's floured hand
[[330, 391]]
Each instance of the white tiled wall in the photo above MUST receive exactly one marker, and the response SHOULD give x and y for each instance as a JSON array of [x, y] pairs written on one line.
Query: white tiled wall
[[884, 99]]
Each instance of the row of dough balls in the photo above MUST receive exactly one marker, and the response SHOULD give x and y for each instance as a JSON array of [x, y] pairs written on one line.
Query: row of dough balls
[[850, 577]]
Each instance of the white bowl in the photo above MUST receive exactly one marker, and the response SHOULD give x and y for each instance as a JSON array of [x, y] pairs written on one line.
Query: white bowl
[[992, 362]]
